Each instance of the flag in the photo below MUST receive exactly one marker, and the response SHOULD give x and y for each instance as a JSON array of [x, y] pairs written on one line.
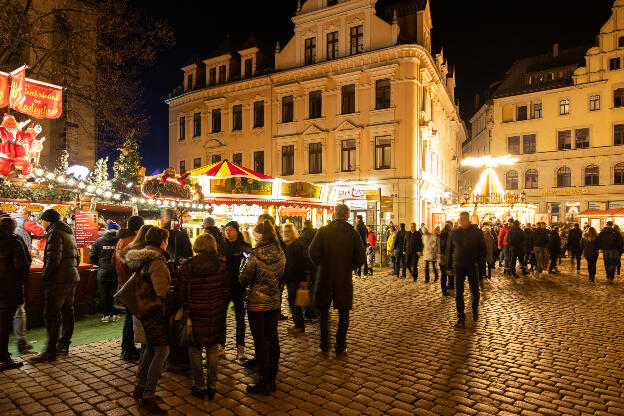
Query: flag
[[4, 89], [41, 100], [18, 80]]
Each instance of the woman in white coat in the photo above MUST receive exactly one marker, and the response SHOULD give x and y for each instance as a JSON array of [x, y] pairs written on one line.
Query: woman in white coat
[[431, 251]]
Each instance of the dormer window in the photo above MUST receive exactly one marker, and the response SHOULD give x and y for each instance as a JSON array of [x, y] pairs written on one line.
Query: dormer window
[[222, 74], [248, 68], [189, 82], [332, 2], [212, 77]]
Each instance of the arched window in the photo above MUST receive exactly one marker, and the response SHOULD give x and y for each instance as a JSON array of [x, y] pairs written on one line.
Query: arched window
[[511, 180], [618, 174], [564, 176], [530, 179], [591, 175]]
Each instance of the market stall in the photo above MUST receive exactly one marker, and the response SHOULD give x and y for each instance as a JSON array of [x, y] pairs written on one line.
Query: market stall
[[598, 218]]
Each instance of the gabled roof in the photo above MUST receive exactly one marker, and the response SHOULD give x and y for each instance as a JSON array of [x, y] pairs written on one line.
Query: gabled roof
[[385, 8], [515, 79]]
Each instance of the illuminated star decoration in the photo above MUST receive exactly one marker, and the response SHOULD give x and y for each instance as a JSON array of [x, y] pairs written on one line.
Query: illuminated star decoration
[[489, 184]]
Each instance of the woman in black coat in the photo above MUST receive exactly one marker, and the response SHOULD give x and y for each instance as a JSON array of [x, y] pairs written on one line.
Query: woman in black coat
[[554, 249], [590, 247], [14, 267]]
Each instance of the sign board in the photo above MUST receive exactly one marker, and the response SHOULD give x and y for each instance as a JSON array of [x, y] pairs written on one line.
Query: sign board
[[387, 204], [86, 228], [372, 195], [350, 193], [170, 188], [355, 205]]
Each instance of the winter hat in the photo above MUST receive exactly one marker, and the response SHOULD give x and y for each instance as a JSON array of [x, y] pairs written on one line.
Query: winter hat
[[234, 225], [135, 223], [50, 215], [112, 225]]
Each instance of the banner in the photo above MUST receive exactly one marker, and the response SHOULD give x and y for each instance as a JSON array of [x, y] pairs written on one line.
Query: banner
[[86, 228], [4, 89], [41, 100], [18, 79]]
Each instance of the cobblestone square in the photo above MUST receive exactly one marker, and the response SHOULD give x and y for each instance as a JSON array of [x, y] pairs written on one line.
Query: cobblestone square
[[550, 345]]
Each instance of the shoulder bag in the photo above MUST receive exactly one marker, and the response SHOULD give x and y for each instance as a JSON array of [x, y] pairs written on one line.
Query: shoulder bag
[[138, 295]]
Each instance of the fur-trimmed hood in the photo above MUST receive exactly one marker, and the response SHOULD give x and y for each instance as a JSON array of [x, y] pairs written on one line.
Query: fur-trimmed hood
[[135, 259]]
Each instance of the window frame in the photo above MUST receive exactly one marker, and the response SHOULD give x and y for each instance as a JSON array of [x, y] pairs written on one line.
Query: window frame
[[309, 48], [312, 113], [182, 165], [196, 124], [248, 70], [215, 116], [350, 151], [215, 158], [510, 144], [532, 147], [315, 153], [258, 114], [222, 74], [534, 174], [618, 172], [189, 82], [288, 160], [197, 163], [212, 77], [333, 48], [511, 175], [525, 115], [614, 64], [618, 98], [585, 143], [182, 128], [380, 150], [618, 134], [564, 106], [537, 111], [237, 117], [235, 157], [591, 174], [347, 101], [290, 104], [594, 102], [258, 158], [559, 146], [356, 39], [562, 173], [383, 94]]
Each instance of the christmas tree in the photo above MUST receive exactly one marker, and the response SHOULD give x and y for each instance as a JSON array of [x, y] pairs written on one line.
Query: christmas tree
[[126, 169], [99, 176], [62, 163]]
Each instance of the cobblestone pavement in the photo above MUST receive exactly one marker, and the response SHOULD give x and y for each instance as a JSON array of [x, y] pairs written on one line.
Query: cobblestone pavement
[[552, 345]]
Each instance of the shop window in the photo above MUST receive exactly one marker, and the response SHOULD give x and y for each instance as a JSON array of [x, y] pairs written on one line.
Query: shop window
[[348, 155], [222, 74], [315, 154], [382, 93], [182, 128], [513, 145], [237, 117], [315, 103], [216, 120], [564, 177], [357, 39], [259, 162], [258, 114], [197, 162], [196, 124], [618, 97], [348, 99], [564, 140], [528, 143], [288, 109], [618, 174], [594, 103], [288, 160], [511, 180], [618, 134], [522, 113], [581, 138], [530, 179], [564, 107], [591, 175], [383, 152], [310, 50], [332, 45], [216, 158], [237, 159]]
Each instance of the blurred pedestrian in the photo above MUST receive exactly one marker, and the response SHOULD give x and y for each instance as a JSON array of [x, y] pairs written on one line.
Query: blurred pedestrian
[[529, 254], [431, 251], [371, 245], [503, 245], [306, 236], [413, 248], [490, 244], [610, 242], [515, 238], [398, 248], [540, 247], [574, 246], [210, 228], [362, 230], [554, 249], [444, 235], [295, 272], [390, 245], [101, 254], [590, 247], [179, 244]]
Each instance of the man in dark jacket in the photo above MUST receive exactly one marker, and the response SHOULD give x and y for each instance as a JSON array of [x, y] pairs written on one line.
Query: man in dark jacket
[[515, 237], [337, 249], [444, 235], [362, 230], [540, 246], [129, 351], [412, 249], [210, 228], [231, 250], [610, 242], [60, 277], [14, 268], [101, 254], [398, 247], [574, 245], [179, 246], [466, 250], [306, 236], [529, 257]]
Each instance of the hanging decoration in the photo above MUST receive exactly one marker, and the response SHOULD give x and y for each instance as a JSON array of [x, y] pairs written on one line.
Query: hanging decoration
[[18, 148]]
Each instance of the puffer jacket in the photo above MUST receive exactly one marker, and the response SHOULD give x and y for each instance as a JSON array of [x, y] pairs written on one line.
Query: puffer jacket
[[14, 268], [206, 297], [431, 247], [260, 276], [60, 256], [101, 254], [390, 243]]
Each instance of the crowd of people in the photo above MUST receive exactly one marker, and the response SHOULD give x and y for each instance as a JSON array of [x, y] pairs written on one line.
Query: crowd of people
[[224, 266]]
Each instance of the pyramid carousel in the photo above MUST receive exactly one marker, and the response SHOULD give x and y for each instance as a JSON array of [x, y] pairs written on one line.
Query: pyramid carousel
[[489, 201]]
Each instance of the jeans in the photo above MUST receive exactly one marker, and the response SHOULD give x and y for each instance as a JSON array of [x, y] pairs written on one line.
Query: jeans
[[591, 266], [501, 257], [59, 306], [237, 296], [399, 262], [393, 262], [611, 258], [107, 289], [297, 311], [266, 342], [541, 257], [6, 318], [412, 265], [19, 323], [212, 361], [473, 282], [341, 332], [433, 266], [127, 339], [152, 363]]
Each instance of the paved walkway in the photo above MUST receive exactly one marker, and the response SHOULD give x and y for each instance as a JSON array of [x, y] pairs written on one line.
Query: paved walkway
[[551, 346]]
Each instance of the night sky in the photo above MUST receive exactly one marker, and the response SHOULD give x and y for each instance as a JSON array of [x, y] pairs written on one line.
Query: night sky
[[480, 39]]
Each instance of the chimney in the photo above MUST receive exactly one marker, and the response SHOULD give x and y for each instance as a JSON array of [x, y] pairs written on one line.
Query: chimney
[[555, 50], [477, 99]]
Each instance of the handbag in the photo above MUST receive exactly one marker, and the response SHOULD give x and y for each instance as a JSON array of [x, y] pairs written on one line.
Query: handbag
[[303, 295], [182, 325], [138, 296]]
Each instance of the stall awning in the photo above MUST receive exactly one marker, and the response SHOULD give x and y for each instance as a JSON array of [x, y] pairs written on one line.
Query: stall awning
[[226, 169], [613, 212], [265, 202]]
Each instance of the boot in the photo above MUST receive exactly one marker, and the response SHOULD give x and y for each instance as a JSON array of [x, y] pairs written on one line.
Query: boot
[[9, 364], [23, 346], [44, 357], [461, 323], [261, 387], [152, 407], [475, 315]]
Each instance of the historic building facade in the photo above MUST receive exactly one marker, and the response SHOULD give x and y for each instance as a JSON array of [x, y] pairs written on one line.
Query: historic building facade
[[562, 115], [355, 98]]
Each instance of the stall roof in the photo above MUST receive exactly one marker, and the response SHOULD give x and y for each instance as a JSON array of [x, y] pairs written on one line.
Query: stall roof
[[613, 212], [226, 169]]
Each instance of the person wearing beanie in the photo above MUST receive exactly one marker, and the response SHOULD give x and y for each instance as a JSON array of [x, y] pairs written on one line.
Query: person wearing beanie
[[210, 228], [60, 278], [129, 352], [101, 254], [231, 250]]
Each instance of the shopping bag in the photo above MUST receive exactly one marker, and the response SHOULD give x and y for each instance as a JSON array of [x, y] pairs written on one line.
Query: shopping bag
[[182, 325], [303, 295], [138, 296]]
